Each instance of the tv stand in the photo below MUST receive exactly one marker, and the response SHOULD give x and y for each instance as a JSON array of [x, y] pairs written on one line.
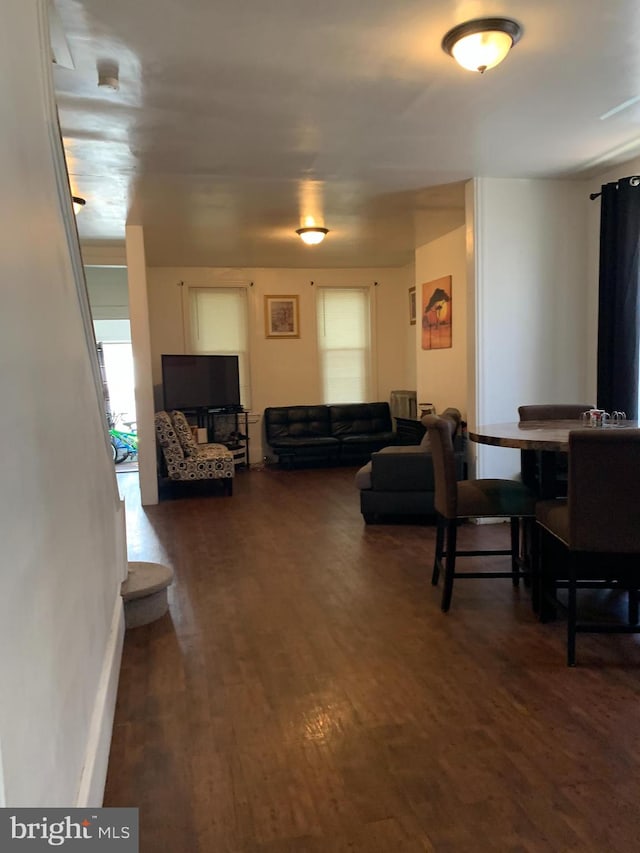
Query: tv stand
[[230, 426]]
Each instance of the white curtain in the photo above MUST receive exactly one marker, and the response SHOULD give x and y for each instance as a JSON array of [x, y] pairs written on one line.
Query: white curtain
[[344, 340], [219, 326]]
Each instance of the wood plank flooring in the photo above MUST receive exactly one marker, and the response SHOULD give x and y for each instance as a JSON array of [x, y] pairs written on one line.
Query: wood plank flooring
[[306, 695]]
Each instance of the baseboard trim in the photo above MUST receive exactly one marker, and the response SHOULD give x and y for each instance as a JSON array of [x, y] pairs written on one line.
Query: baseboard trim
[[94, 771]]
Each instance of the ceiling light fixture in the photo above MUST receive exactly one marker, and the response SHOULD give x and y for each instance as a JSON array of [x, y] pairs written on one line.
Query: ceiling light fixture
[[312, 235], [78, 203], [483, 43]]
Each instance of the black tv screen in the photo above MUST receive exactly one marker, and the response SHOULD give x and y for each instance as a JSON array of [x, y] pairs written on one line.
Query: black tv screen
[[201, 382]]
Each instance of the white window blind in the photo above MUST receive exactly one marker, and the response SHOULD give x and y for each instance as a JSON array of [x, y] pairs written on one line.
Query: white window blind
[[344, 343], [219, 326]]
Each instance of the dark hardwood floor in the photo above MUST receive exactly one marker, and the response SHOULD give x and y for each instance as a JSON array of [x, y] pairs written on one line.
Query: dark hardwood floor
[[306, 695]]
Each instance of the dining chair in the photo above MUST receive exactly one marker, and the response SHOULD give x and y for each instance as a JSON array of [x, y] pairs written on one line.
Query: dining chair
[[553, 411], [546, 473], [455, 502], [597, 528]]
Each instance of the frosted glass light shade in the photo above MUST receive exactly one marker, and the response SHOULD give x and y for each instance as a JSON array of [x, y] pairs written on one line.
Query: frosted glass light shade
[[482, 44], [78, 203], [481, 50], [313, 235]]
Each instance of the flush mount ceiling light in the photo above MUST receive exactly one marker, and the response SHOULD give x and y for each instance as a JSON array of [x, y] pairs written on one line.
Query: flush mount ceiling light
[[78, 203], [483, 43], [312, 235]]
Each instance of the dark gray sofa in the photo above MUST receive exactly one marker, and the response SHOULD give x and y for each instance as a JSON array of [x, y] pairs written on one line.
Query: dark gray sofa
[[398, 481], [340, 433]]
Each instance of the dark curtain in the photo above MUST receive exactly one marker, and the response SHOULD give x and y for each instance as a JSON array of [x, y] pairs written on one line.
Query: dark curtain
[[618, 303]]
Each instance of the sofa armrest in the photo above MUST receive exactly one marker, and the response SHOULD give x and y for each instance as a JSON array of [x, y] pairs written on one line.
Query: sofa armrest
[[402, 469]]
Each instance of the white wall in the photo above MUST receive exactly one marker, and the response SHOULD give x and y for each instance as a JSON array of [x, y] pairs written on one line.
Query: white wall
[[529, 301], [141, 347], [442, 374], [62, 525], [108, 292], [285, 372]]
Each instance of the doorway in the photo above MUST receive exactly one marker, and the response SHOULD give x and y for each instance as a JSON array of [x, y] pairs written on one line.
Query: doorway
[[109, 301]]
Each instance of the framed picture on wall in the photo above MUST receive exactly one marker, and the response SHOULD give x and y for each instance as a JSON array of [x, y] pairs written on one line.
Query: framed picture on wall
[[412, 306], [281, 317], [437, 314]]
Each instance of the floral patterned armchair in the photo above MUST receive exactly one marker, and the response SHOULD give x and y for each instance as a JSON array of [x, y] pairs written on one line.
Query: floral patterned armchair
[[186, 460]]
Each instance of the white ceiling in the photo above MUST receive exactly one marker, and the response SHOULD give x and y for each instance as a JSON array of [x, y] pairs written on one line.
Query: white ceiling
[[235, 119]]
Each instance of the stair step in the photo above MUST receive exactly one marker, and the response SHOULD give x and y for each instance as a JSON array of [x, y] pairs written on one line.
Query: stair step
[[145, 593]]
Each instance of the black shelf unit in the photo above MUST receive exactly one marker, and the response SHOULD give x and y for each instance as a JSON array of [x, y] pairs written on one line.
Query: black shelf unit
[[227, 427]]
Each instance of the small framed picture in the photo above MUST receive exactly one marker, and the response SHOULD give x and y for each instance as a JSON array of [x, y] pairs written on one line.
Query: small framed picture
[[412, 306], [281, 317]]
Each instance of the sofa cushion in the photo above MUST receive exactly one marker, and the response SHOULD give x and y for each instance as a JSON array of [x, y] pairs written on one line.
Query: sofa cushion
[[298, 422], [402, 468], [374, 440], [361, 419], [306, 441]]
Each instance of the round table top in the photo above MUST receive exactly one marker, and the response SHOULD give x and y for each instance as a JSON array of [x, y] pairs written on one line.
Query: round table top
[[536, 435]]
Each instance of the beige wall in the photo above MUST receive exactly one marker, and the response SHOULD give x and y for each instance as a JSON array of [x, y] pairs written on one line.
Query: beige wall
[[442, 374], [285, 372]]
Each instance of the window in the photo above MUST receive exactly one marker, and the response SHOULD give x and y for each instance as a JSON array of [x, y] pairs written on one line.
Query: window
[[219, 326], [344, 343]]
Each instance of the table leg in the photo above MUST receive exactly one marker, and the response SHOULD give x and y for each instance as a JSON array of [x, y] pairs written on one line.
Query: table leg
[[548, 475]]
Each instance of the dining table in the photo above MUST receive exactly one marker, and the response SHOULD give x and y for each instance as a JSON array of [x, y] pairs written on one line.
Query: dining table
[[539, 440]]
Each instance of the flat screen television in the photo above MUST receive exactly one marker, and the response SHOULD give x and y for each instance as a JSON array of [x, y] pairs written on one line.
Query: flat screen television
[[201, 382]]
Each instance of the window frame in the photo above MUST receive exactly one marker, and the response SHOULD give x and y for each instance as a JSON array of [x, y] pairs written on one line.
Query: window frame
[[372, 366]]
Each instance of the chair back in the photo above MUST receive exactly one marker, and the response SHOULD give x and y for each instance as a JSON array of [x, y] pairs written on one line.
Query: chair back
[[167, 439], [604, 490], [553, 411], [183, 431], [440, 432]]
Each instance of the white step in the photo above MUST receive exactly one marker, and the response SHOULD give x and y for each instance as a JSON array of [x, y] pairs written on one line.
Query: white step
[[145, 593]]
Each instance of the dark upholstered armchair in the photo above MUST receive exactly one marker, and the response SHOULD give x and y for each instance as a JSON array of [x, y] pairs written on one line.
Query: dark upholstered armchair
[[398, 481]]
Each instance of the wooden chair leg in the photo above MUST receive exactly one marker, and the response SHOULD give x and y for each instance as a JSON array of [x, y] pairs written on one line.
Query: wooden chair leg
[[450, 564], [634, 616], [437, 560], [546, 579], [572, 613], [535, 557], [515, 551], [527, 529]]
